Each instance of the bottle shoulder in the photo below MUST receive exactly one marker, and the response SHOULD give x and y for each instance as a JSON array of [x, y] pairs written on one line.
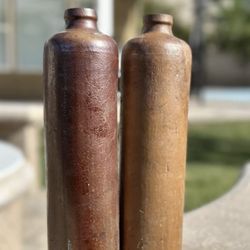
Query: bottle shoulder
[[78, 39], [156, 43]]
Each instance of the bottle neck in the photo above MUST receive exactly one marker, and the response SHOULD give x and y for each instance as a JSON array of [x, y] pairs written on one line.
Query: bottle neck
[[80, 18], [81, 23], [158, 27], [158, 23]]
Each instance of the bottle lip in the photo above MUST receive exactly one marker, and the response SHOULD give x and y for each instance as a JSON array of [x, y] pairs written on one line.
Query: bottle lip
[[78, 13], [158, 18]]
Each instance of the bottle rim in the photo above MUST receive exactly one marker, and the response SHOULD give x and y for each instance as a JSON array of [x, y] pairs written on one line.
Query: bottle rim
[[159, 18], [78, 13]]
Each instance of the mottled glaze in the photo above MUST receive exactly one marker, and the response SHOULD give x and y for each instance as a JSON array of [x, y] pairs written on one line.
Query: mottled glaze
[[80, 77], [156, 70]]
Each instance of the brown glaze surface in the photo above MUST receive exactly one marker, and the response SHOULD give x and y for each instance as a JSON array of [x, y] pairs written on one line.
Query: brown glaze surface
[[80, 76], [155, 80]]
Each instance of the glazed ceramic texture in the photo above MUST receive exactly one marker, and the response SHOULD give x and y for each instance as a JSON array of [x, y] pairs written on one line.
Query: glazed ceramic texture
[[80, 77], [156, 70]]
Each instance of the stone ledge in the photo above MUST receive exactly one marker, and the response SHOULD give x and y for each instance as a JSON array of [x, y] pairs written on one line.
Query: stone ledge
[[27, 112], [223, 223], [16, 177]]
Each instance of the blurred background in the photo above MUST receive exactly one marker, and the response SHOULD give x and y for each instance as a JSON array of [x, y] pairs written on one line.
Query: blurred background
[[218, 32]]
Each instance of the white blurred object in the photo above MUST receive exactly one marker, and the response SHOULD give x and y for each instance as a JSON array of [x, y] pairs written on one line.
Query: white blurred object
[[105, 10]]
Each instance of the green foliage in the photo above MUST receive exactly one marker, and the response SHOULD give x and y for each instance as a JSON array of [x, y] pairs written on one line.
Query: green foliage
[[216, 153], [233, 29], [179, 29]]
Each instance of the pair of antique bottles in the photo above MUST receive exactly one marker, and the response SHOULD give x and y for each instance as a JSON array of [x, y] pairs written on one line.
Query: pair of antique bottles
[[81, 77]]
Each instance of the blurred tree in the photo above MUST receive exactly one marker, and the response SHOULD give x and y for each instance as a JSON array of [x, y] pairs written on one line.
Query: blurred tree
[[197, 43], [233, 28]]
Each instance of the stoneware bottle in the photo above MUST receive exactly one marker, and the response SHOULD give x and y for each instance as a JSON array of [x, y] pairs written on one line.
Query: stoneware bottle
[[80, 77], [155, 86]]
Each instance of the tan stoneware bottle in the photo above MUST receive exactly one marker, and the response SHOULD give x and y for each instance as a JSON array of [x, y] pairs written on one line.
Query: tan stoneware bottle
[[80, 77], [156, 70]]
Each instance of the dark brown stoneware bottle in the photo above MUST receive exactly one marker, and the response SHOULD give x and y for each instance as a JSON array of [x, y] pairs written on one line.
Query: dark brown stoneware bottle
[[80, 74], [155, 83]]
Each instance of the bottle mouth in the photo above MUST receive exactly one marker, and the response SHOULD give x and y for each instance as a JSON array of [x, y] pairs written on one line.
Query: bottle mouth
[[158, 18], [78, 13]]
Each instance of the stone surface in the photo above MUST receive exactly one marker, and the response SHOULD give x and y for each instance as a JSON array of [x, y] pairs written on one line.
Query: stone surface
[[34, 222], [15, 180], [222, 224], [10, 224]]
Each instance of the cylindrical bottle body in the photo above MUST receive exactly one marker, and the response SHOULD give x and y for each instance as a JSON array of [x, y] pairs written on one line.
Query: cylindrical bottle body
[[155, 84], [80, 72]]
